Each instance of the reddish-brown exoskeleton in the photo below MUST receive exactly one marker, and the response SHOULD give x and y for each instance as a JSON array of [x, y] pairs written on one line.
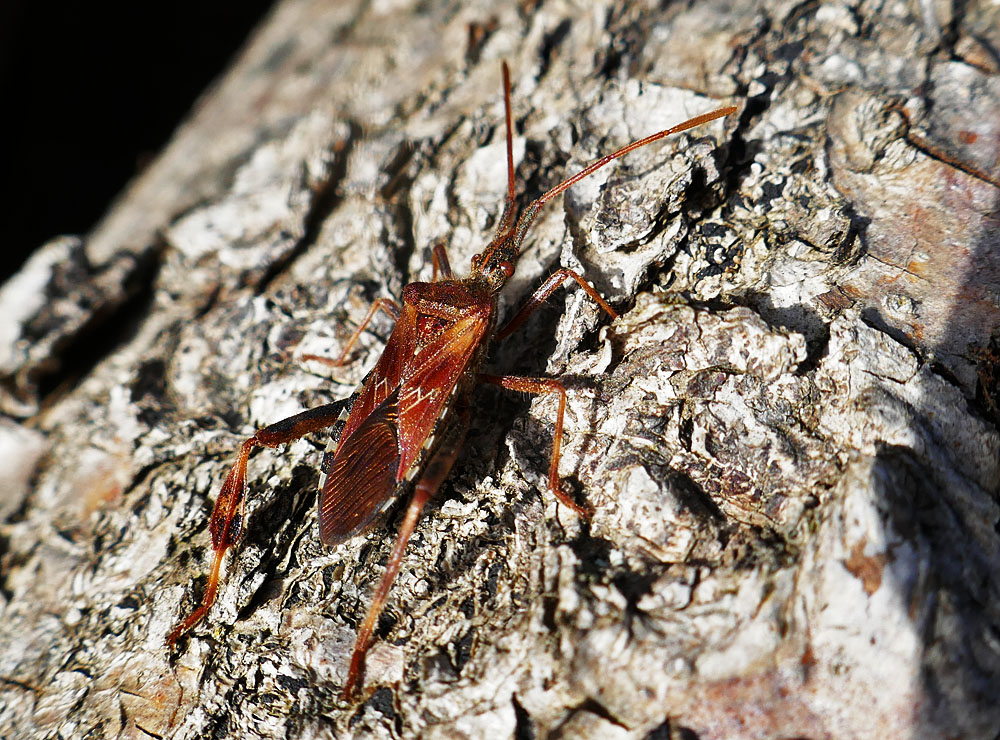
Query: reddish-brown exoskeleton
[[402, 430]]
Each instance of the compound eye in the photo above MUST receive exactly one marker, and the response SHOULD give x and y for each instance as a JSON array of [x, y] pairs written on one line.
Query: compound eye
[[507, 267]]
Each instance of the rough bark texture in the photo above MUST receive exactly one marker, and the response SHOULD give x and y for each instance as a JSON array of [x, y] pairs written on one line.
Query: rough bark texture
[[789, 437]]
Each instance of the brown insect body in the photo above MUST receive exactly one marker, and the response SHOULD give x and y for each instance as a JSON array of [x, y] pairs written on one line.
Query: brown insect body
[[408, 420], [425, 373]]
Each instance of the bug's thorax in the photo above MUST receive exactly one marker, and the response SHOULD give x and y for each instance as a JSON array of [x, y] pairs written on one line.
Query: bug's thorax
[[437, 307], [447, 298]]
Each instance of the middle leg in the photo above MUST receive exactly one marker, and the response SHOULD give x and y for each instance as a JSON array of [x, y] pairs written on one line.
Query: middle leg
[[227, 520], [544, 385]]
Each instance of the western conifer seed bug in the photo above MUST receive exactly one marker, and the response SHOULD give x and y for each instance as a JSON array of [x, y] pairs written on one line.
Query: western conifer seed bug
[[401, 431]]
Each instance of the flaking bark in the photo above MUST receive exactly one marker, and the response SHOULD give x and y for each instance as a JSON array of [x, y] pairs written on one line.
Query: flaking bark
[[789, 438]]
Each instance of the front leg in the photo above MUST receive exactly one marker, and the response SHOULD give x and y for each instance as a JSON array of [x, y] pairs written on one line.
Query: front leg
[[387, 305], [226, 523], [542, 294]]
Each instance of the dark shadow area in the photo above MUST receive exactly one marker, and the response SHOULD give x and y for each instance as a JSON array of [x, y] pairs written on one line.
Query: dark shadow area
[[92, 92], [944, 571], [961, 620]]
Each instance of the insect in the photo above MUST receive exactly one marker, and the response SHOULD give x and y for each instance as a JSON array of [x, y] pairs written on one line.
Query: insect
[[401, 431]]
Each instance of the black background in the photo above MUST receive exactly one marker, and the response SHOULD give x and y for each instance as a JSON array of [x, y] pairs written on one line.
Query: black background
[[92, 91]]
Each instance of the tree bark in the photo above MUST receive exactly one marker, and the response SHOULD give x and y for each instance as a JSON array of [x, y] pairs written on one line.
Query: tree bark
[[789, 438]]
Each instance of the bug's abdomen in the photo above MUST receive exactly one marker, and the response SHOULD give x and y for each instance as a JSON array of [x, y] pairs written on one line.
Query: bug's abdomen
[[362, 475]]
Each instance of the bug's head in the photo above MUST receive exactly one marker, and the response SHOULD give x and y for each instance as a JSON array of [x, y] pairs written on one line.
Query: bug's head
[[495, 264]]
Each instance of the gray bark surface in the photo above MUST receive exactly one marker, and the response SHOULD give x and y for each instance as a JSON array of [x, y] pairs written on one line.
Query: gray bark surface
[[789, 437]]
